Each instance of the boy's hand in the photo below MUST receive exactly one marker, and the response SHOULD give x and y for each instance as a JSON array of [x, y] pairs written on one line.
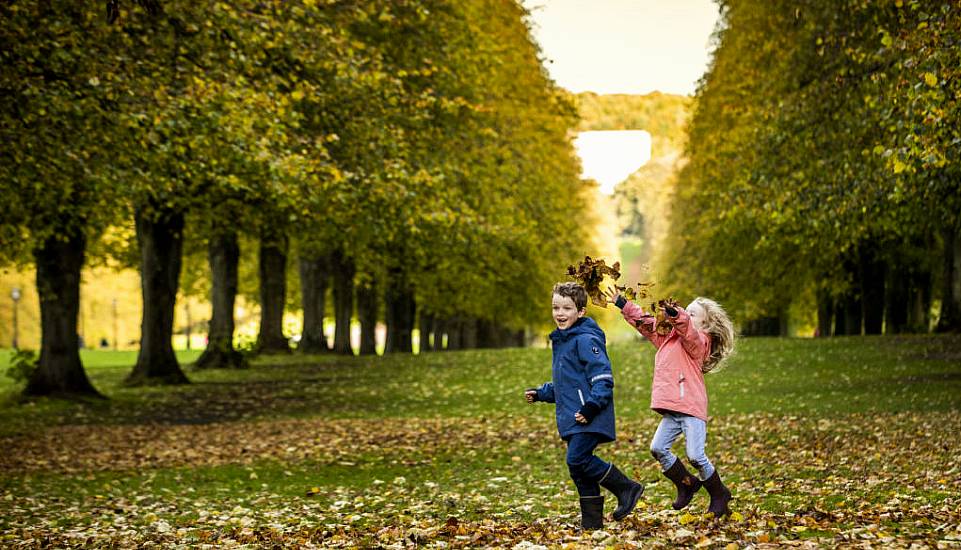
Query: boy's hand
[[587, 413], [530, 394]]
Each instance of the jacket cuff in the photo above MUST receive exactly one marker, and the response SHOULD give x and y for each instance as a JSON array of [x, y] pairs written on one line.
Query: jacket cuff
[[620, 302], [589, 410]]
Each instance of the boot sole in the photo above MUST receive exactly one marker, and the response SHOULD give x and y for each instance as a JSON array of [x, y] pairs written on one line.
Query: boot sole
[[635, 496], [727, 509]]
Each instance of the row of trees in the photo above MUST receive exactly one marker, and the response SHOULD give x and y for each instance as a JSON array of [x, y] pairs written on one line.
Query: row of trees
[[824, 161], [410, 155], [643, 199]]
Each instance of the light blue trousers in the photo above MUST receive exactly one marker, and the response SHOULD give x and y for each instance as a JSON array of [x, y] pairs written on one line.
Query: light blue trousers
[[695, 435]]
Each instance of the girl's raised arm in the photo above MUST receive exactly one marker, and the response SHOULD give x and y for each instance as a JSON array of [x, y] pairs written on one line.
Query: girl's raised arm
[[643, 322], [697, 344]]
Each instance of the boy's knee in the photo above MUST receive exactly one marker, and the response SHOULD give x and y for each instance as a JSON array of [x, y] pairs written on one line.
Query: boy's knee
[[577, 463]]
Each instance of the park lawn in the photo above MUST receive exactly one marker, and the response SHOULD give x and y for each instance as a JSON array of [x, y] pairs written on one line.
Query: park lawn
[[829, 442]]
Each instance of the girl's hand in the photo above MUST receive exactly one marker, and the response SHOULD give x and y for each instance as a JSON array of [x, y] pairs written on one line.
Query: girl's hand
[[612, 294], [580, 418]]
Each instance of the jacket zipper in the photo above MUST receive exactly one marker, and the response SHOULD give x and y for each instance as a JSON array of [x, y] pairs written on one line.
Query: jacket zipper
[[581, 395]]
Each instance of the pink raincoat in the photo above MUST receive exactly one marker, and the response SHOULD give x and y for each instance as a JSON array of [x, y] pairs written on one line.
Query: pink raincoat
[[678, 381]]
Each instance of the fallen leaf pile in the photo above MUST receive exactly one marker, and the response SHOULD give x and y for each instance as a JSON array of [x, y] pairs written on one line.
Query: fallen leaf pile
[[852, 481]]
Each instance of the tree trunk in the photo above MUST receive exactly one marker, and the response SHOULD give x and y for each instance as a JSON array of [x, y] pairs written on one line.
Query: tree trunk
[[224, 257], [896, 298], [343, 275], [486, 334], [367, 314], [273, 292], [919, 301], [59, 371], [401, 310], [161, 252], [852, 314], [872, 272], [764, 326], [468, 337], [426, 325], [825, 313], [849, 312], [520, 338], [313, 285], [950, 318], [454, 332], [840, 319], [440, 328]]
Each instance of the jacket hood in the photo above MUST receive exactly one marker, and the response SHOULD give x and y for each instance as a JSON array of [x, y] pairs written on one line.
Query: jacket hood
[[584, 325]]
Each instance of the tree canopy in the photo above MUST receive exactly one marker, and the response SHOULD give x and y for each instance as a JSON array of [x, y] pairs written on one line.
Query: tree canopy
[[820, 149]]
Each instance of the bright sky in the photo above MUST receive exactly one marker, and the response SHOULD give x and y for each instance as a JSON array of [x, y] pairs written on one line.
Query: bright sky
[[609, 157], [622, 47]]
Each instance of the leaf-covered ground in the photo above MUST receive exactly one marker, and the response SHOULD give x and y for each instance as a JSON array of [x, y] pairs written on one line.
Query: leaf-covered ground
[[850, 442]]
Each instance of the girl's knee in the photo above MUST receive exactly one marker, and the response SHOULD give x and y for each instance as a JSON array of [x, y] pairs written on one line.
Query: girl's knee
[[659, 453], [699, 461]]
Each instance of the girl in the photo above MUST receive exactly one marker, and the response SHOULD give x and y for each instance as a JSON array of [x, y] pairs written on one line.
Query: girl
[[701, 338]]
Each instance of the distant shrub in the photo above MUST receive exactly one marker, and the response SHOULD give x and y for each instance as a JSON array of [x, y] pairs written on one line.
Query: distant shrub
[[22, 364]]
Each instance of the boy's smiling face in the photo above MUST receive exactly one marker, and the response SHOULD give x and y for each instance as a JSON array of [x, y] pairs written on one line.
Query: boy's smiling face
[[565, 312]]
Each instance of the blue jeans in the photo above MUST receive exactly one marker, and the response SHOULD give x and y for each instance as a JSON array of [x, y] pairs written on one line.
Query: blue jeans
[[695, 434], [585, 468]]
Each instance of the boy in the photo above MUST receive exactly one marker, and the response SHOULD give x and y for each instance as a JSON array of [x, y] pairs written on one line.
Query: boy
[[582, 388]]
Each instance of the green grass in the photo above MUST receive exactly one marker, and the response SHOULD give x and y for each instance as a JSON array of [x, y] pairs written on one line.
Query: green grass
[[784, 376], [800, 427]]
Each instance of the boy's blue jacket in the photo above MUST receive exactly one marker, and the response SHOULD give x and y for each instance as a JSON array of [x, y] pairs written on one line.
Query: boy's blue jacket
[[581, 374]]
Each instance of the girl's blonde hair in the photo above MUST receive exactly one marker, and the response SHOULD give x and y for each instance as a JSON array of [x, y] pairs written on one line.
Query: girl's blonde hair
[[721, 330]]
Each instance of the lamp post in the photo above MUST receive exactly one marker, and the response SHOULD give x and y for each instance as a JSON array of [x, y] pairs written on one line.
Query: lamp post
[[114, 311], [15, 294]]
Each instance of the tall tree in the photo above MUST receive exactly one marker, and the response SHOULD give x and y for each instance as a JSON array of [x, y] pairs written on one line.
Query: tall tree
[[57, 193]]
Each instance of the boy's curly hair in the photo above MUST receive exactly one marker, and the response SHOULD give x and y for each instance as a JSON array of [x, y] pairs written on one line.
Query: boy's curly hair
[[721, 330], [574, 291]]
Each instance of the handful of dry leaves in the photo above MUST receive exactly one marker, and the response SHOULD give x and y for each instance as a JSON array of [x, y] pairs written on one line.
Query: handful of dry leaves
[[662, 323], [590, 274]]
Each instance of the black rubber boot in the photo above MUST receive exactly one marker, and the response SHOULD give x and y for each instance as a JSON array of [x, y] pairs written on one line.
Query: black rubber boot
[[720, 495], [592, 512], [687, 484], [625, 489]]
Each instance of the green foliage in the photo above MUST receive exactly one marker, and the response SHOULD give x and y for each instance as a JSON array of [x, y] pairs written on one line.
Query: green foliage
[[420, 138], [664, 116], [818, 130], [22, 364]]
